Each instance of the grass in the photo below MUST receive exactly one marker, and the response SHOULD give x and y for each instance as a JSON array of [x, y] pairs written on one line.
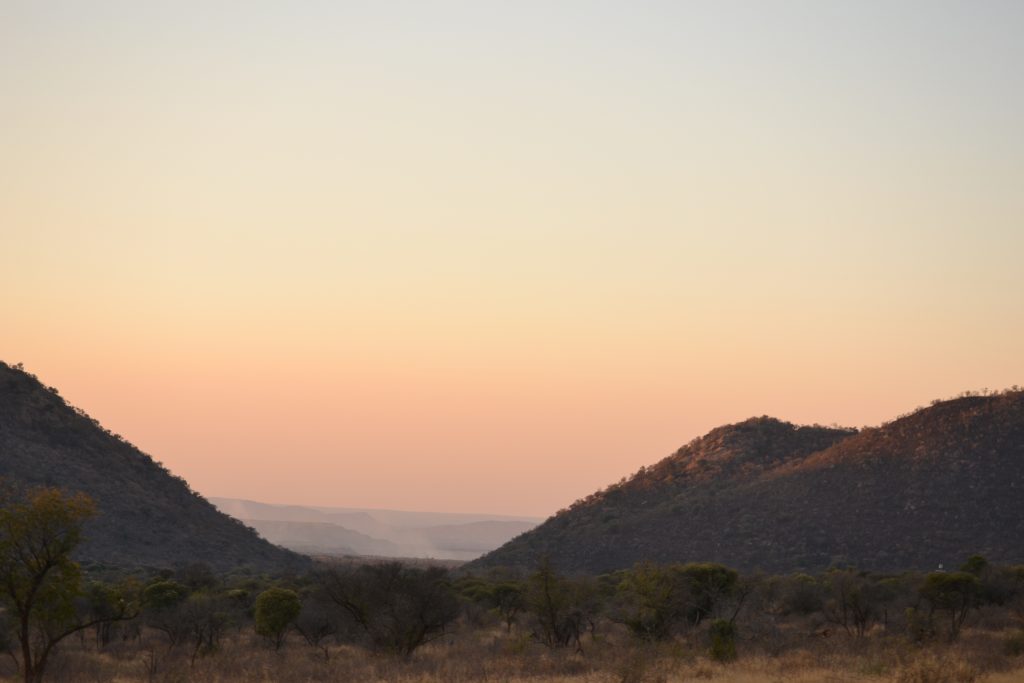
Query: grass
[[491, 656]]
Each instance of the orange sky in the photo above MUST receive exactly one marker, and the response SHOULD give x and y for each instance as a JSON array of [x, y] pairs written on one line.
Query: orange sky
[[492, 257]]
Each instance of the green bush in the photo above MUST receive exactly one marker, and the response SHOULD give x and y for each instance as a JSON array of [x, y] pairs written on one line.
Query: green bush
[[276, 609], [723, 640]]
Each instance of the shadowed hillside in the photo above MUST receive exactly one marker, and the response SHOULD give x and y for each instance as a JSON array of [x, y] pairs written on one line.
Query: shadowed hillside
[[146, 516], [926, 489]]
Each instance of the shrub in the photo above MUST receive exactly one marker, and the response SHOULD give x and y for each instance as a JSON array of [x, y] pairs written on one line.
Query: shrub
[[1013, 646], [723, 640], [397, 607], [276, 609]]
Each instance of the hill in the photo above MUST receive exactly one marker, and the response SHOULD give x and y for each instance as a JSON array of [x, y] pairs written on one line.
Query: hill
[[926, 489], [323, 538], [145, 515]]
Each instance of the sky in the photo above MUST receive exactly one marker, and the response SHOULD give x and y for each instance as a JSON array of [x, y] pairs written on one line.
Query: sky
[[493, 256]]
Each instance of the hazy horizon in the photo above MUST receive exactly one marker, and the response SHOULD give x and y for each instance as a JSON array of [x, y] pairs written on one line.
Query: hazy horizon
[[342, 508], [492, 257]]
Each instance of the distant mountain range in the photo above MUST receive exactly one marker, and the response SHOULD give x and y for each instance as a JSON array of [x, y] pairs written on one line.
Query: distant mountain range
[[145, 515], [929, 488], [383, 533]]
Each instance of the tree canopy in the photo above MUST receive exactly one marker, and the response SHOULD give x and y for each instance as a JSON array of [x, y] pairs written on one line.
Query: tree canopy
[[39, 581]]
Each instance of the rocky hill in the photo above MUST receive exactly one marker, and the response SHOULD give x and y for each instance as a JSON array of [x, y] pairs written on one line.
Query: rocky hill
[[146, 516], [928, 488]]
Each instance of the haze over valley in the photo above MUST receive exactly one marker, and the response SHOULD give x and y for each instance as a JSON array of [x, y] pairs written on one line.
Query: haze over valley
[[380, 533]]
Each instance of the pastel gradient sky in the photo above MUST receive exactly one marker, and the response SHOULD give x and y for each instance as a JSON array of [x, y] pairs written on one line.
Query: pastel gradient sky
[[492, 256]]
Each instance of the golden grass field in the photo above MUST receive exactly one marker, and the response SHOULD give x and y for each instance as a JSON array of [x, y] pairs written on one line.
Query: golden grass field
[[490, 655]]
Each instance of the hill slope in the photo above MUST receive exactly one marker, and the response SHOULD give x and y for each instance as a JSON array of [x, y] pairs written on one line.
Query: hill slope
[[928, 488], [146, 516], [323, 538]]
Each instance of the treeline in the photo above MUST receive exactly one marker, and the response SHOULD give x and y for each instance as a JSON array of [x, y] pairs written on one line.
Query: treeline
[[394, 608], [659, 602]]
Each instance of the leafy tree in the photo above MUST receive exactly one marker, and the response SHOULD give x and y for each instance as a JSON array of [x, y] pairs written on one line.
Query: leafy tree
[[197, 577], [561, 608], [317, 623], [163, 609], [854, 600], [996, 585], [975, 564], [508, 599], [103, 604], [723, 640], [205, 620], [953, 593], [801, 594], [708, 585], [504, 597], [38, 580], [1012, 582], [651, 601], [163, 594], [276, 609], [397, 607]]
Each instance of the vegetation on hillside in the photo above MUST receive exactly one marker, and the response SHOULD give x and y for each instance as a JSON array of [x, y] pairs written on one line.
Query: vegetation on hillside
[[144, 514], [767, 495], [393, 622]]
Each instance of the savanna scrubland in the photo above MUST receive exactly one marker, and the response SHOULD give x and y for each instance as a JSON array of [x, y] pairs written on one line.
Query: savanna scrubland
[[392, 621]]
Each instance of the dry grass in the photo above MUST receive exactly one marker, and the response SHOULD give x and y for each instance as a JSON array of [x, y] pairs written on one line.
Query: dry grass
[[494, 657]]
